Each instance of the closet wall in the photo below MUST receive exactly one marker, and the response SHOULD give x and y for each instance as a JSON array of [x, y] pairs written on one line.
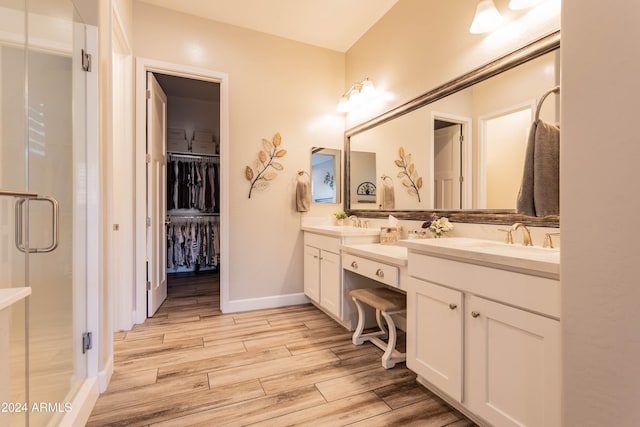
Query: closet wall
[[193, 174]]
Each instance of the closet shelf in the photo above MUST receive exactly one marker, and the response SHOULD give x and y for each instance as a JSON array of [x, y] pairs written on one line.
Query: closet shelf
[[189, 155], [198, 215]]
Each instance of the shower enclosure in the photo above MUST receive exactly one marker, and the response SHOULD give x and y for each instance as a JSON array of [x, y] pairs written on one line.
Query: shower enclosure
[[43, 206]]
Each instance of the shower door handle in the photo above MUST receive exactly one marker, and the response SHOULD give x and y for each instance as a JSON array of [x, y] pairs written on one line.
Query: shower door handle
[[19, 220]]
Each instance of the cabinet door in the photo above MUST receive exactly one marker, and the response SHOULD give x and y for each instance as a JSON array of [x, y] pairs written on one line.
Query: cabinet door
[[434, 335], [330, 283], [312, 273], [514, 365]]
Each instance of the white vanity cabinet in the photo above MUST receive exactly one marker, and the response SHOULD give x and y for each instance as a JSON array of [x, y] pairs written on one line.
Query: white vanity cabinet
[[323, 268], [322, 278], [434, 335], [486, 339]]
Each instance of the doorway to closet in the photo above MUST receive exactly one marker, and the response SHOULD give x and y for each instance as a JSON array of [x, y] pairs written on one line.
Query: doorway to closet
[[181, 189]]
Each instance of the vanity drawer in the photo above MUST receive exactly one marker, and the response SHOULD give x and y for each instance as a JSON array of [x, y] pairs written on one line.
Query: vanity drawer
[[387, 274]]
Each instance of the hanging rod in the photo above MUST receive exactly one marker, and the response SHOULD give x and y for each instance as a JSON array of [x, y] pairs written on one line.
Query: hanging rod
[[194, 156], [547, 93], [206, 215]]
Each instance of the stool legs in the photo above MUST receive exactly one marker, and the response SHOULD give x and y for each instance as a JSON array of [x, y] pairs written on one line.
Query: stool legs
[[356, 339], [391, 356], [388, 359]]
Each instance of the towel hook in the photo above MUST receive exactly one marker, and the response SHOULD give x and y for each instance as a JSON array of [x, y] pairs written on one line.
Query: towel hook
[[547, 93]]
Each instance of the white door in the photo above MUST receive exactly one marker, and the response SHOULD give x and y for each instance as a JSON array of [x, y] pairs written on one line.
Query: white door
[[156, 195], [514, 360], [447, 167], [330, 289], [312, 272], [434, 335]]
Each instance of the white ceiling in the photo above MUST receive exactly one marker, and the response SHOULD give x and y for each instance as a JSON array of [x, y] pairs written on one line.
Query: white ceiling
[[332, 24]]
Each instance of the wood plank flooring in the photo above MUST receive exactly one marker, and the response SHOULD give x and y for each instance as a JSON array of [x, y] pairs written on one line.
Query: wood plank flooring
[[191, 365]]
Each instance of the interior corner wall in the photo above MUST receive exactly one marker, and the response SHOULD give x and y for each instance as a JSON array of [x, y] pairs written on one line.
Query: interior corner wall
[[421, 44], [275, 85], [601, 239]]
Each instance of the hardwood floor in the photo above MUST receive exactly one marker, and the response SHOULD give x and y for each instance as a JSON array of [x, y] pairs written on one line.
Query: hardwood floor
[[192, 365]]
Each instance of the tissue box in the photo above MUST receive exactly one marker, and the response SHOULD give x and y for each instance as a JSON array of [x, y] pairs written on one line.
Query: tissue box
[[390, 235]]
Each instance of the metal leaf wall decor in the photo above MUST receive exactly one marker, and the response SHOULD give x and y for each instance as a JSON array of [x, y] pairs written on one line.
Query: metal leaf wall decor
[[408, 173], [266, 164]]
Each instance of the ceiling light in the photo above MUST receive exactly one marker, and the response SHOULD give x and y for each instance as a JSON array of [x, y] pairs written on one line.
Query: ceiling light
[[487, 18], [343, 105], [358, 94], [367, 90], [522, 4]]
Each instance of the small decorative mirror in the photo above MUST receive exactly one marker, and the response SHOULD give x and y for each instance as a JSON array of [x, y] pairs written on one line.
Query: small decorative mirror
[[325, 175]]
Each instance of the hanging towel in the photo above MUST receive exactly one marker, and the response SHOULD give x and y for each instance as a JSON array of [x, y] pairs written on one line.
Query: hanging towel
[[388, 194], [540, 190], [303, 193]]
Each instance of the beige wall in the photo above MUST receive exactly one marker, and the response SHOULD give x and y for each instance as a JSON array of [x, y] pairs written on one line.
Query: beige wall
[[600, 205], [275, 85], [420, 44]]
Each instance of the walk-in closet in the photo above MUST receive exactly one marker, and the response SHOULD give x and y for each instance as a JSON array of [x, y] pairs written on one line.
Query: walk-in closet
[[193, 178]]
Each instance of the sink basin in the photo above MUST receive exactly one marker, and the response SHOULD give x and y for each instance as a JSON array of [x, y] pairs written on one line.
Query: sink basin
[[528, 259]]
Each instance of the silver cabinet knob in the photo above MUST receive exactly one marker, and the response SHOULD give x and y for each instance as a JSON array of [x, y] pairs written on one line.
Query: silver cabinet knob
[[453, 306], [380, 273], [354, 264], [475, 313]]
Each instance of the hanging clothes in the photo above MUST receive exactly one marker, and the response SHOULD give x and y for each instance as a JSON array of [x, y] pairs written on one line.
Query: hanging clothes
[[192, 243], [192, 183]]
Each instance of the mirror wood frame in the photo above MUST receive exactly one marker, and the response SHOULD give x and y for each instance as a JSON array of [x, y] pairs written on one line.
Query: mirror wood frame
[[526, 53]]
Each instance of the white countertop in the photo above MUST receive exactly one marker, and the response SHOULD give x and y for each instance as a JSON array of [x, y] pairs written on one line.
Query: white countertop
[[389, 254], [9, 296], [514, 257], [341, 230]]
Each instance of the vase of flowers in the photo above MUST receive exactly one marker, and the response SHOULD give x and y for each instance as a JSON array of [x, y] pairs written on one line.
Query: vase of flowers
[[438, 226], [340, 217]]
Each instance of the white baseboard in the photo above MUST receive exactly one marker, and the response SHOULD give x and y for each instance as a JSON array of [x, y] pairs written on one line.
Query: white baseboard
[[105, 375], [265, 302], [81, 405]]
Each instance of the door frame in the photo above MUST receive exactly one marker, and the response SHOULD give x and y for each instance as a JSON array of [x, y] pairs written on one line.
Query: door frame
[[481, 188], [144, 65], [122, 191], [467, 154]]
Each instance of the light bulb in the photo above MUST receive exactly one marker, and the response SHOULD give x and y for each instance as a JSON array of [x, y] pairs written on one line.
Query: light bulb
[[343, 105], [487, 18], [368, 91], [522, 4]]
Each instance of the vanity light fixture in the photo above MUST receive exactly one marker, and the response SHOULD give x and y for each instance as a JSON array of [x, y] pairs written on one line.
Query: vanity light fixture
[[487, 18], [357, 94], [522, 4]]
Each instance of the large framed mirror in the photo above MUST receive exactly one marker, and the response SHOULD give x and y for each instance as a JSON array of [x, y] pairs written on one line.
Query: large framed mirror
[[457, 150]]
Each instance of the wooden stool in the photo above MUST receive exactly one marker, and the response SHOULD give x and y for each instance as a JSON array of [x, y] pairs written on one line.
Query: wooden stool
[[386, 302]]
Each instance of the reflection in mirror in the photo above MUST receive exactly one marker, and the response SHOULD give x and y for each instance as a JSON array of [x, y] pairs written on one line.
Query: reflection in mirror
[[467, 144], [325, 175], [363, 180]]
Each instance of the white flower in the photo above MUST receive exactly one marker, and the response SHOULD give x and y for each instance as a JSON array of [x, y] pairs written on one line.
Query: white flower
[[440, 226]]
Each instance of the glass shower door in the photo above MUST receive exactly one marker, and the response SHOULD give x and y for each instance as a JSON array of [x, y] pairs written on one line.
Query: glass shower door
[[42, 150]]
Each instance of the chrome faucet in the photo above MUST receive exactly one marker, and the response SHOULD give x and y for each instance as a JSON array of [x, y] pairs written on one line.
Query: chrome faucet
[[356, 221], [526, 235]]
